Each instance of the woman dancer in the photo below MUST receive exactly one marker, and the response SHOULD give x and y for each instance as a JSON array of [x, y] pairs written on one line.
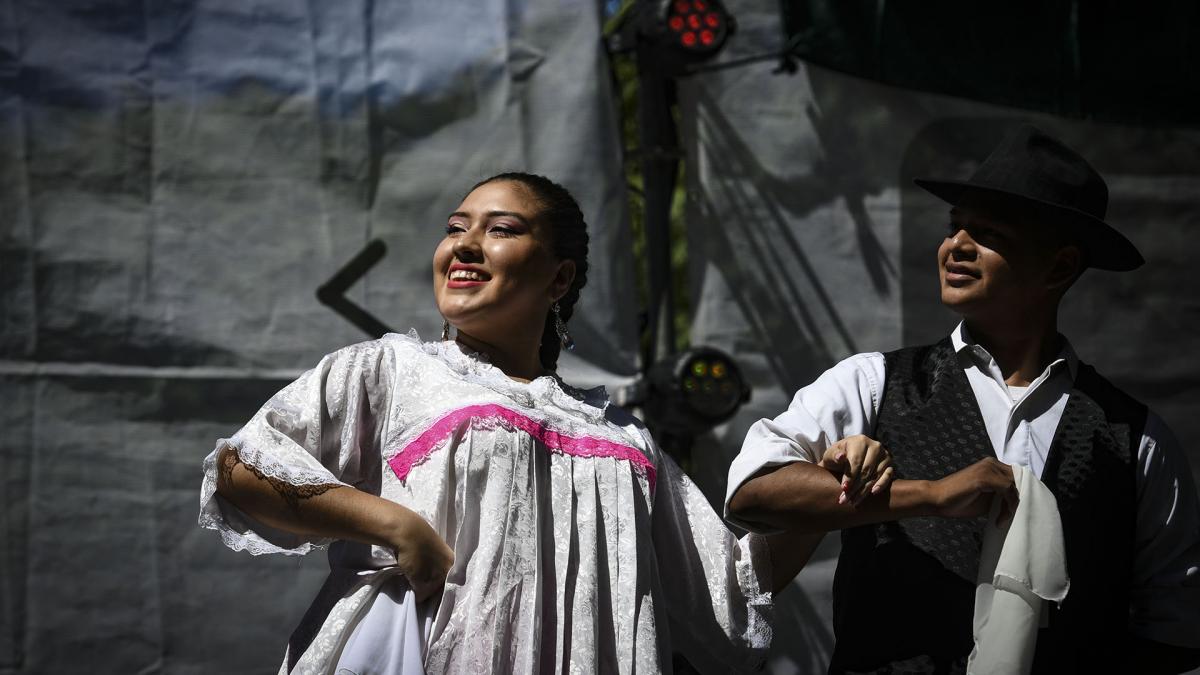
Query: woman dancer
[[484, 516]]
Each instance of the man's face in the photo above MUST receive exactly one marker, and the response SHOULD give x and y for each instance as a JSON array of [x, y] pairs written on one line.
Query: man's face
[[992, 267]]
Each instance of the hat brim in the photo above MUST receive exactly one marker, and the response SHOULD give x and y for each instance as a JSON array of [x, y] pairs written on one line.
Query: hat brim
[[1106, 248]]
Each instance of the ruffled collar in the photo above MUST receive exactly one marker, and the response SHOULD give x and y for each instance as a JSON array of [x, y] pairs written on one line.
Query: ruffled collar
[[475, 368]]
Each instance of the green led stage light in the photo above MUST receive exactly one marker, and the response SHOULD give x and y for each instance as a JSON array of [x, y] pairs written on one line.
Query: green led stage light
[[694, 391]]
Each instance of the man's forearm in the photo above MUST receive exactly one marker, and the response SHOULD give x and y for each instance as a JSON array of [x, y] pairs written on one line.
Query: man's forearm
[[803, 497], [790, 552]]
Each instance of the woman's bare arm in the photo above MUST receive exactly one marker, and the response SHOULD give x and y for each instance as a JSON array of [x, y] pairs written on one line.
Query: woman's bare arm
[[339, 512]]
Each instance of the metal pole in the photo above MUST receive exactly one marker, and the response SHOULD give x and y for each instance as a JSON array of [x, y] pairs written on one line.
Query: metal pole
[[660, 167]]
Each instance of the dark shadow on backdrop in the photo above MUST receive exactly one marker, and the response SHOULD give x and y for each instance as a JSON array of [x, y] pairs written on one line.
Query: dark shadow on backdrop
[[1108, 61], [792, 332]]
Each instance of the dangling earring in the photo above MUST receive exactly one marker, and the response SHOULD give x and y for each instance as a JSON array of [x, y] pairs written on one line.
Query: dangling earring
[[560, 327], [445, 330]]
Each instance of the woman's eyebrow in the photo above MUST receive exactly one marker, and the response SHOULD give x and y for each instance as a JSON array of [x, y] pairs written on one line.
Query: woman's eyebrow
[[508, 214], [494, 214]]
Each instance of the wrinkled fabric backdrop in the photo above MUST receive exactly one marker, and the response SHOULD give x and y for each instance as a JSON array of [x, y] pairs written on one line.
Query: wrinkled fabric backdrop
[[177, 179]]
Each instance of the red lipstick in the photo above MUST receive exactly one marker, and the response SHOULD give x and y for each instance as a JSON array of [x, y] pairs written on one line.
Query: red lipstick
[[480, 277]]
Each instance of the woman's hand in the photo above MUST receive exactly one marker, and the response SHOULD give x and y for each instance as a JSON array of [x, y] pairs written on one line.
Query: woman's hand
[[340, 512], [863, 465], [421, 554]]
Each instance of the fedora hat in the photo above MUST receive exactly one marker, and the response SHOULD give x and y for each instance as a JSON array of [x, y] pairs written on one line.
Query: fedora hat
[[1033, 172]]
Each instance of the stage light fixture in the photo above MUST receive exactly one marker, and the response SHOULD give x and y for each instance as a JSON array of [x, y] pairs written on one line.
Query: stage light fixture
[[697, 27], [695, 390]]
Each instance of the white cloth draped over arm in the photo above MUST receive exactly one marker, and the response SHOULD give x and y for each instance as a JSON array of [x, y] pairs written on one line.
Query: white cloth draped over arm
[[315, 431], [1023, 563], [717, 588], [1165, 598], [843, 401]]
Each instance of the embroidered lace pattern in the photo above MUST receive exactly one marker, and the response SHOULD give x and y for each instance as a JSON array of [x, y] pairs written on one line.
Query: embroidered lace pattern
[[490, 416], [292, 494]]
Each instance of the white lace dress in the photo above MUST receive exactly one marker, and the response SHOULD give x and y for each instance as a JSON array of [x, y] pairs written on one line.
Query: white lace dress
[[579, 546]]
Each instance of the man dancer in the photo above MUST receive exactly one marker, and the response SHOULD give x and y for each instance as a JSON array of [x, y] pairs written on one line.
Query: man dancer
[[1004, 388]]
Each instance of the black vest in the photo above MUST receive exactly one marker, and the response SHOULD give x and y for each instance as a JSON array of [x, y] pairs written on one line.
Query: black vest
[[904, 591]]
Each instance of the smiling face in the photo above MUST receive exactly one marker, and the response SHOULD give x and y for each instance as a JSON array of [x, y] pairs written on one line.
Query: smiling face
[[992, 267], [495, 274]]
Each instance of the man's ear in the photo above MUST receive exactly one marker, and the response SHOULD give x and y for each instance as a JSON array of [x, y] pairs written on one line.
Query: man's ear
[[1065, 269], [563, 278]]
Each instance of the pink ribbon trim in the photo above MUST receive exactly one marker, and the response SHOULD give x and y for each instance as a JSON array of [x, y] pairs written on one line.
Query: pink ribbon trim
[[585, 446]]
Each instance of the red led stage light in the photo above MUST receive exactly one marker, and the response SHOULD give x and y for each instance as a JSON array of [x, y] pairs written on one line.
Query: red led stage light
[[697, 27]]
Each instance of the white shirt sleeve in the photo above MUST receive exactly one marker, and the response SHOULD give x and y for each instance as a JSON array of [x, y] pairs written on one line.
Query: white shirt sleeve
[[1165, 598], [314, 432], [842, 402], [715, 587]]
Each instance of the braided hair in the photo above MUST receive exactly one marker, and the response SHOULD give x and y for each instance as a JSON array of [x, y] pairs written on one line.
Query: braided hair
[[561, 212]]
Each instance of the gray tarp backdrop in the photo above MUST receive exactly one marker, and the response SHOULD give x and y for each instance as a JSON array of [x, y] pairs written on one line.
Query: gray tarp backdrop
[[176, 179], [807, 242]]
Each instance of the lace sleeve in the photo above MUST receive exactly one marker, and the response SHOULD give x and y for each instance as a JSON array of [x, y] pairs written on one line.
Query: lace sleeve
[[717, 587], [315, 434]]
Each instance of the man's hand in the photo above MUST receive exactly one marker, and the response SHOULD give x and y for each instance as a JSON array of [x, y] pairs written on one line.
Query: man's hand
[[968, 493], [861, 464]]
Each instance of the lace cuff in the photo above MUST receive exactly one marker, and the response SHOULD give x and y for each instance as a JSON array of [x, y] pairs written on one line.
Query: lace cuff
[[754, 577], [239, 530]]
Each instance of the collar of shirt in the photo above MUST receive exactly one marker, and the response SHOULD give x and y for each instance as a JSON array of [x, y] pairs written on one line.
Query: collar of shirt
[[1021, 431], [964, 344]]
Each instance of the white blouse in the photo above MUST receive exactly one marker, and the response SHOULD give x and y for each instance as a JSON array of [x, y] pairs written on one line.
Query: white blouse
[[578, 545]]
